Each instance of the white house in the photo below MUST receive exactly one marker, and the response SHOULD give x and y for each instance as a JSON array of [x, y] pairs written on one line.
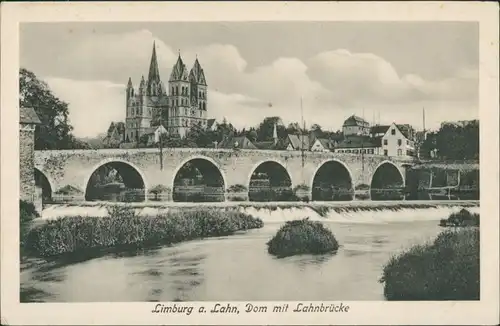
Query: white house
[[398, 140], [158, 132]]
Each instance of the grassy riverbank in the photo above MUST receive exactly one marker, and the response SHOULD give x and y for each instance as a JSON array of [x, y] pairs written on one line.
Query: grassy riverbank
[[122, 227], [447, 269]]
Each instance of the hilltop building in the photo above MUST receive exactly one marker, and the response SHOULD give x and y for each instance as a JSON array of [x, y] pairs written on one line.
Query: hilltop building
[[178, 108], [356, 126]]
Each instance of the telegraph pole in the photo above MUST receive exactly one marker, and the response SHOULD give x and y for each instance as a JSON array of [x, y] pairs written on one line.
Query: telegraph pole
[[303, 131], [159, 140]]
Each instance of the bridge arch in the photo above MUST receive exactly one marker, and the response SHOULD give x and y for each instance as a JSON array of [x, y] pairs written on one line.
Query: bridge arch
[[43, 181], [331, 181], [213, 178], [387, 182], [269, 180], [132, 176]]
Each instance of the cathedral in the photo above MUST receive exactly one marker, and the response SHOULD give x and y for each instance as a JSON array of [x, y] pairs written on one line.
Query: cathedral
[[178, 110]]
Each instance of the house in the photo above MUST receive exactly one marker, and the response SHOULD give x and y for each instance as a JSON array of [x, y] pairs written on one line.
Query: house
[[296, 142], [240, 142], [398, 140], [211, 125], [360, 145], [160, 130], [323, 145], [115, 135], [355, 125]]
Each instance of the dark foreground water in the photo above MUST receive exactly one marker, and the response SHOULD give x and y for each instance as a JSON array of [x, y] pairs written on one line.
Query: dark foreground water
[[238, 267]]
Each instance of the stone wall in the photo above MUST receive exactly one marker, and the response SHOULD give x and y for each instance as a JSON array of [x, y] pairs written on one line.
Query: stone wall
[[26, 164]]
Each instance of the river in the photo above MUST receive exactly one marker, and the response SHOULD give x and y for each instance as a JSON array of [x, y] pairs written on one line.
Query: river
[[238, 267]]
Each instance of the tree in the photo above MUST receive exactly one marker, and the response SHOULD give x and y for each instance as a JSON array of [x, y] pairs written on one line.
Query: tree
[[293, 128], [266, 128], [252, 135], [55, 130]]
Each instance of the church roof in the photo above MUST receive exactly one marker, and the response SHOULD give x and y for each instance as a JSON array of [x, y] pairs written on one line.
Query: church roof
[[196, 74], [179, 71], [28, 116], [154, 73], [241, 142]]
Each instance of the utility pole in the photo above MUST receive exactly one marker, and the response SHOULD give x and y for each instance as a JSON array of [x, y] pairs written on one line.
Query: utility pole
[[303, 131]]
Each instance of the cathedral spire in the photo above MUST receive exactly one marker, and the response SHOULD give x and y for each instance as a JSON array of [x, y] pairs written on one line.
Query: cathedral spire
[[154, 74], [129, 84]]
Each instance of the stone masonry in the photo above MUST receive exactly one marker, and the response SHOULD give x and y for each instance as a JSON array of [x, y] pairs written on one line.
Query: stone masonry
[[27, 123], [74, 167]]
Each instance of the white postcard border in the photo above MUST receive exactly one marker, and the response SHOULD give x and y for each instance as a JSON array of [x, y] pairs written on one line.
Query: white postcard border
[[360, 312]]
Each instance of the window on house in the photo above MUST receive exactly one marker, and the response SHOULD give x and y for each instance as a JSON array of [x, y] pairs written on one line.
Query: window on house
[[408, 142], [399, 142], [385, 152], [393, 131], [400, 152], [385, 141]]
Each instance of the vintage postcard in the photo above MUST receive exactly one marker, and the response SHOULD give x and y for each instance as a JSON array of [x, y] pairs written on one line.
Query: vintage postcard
[[249, 163]]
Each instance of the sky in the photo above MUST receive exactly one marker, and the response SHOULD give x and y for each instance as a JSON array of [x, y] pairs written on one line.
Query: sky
[[383, 71]]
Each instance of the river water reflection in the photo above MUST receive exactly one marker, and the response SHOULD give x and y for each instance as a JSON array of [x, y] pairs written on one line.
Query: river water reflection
[[232, 268]]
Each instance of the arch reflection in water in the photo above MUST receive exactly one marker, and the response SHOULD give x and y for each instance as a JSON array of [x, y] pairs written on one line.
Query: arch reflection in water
[[270, 181], [117, 182], [332, 182], [387, 183], [198, 180]]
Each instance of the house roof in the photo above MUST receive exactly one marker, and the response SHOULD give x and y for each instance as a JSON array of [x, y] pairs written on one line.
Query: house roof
[[326, 143], [265, 145], [360, 142], [240, 142], [210, 123], [28, 116], [379, 129], [354, 120], [405, 130], [299, 142]]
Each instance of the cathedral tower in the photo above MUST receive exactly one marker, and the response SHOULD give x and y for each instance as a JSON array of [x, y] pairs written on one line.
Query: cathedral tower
[[146, 105]]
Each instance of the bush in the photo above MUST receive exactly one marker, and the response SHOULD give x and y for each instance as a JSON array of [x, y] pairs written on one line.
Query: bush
[[158, 189], [461, 219], [447, 269], [302, 237], [27, 213], [124, 228]]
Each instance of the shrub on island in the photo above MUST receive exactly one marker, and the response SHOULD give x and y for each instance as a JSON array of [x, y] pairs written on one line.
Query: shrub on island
[[302, 237], [124, 228], [461, 219], [447, 269]]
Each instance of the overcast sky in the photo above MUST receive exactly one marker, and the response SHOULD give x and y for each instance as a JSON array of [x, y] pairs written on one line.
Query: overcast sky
[[254, 70]]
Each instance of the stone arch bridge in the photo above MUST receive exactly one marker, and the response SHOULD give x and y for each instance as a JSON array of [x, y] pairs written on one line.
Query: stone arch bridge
[[146, 168]]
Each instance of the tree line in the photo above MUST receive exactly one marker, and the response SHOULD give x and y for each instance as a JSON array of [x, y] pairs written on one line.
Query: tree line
[[453, 141]]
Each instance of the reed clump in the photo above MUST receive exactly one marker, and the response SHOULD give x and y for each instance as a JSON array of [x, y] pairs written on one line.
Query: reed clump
[[447, 269], [302, 237], [461, 219], [122, 227]]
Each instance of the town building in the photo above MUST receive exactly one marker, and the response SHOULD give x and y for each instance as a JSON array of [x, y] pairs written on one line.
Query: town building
[[296, 142], [179, 108], [355, 126], [398, 140], [28, 120], [360, 145], [115, 135], [323, 145]]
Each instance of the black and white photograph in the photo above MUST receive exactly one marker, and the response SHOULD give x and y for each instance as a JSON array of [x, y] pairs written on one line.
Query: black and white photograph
[[310, 163]]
